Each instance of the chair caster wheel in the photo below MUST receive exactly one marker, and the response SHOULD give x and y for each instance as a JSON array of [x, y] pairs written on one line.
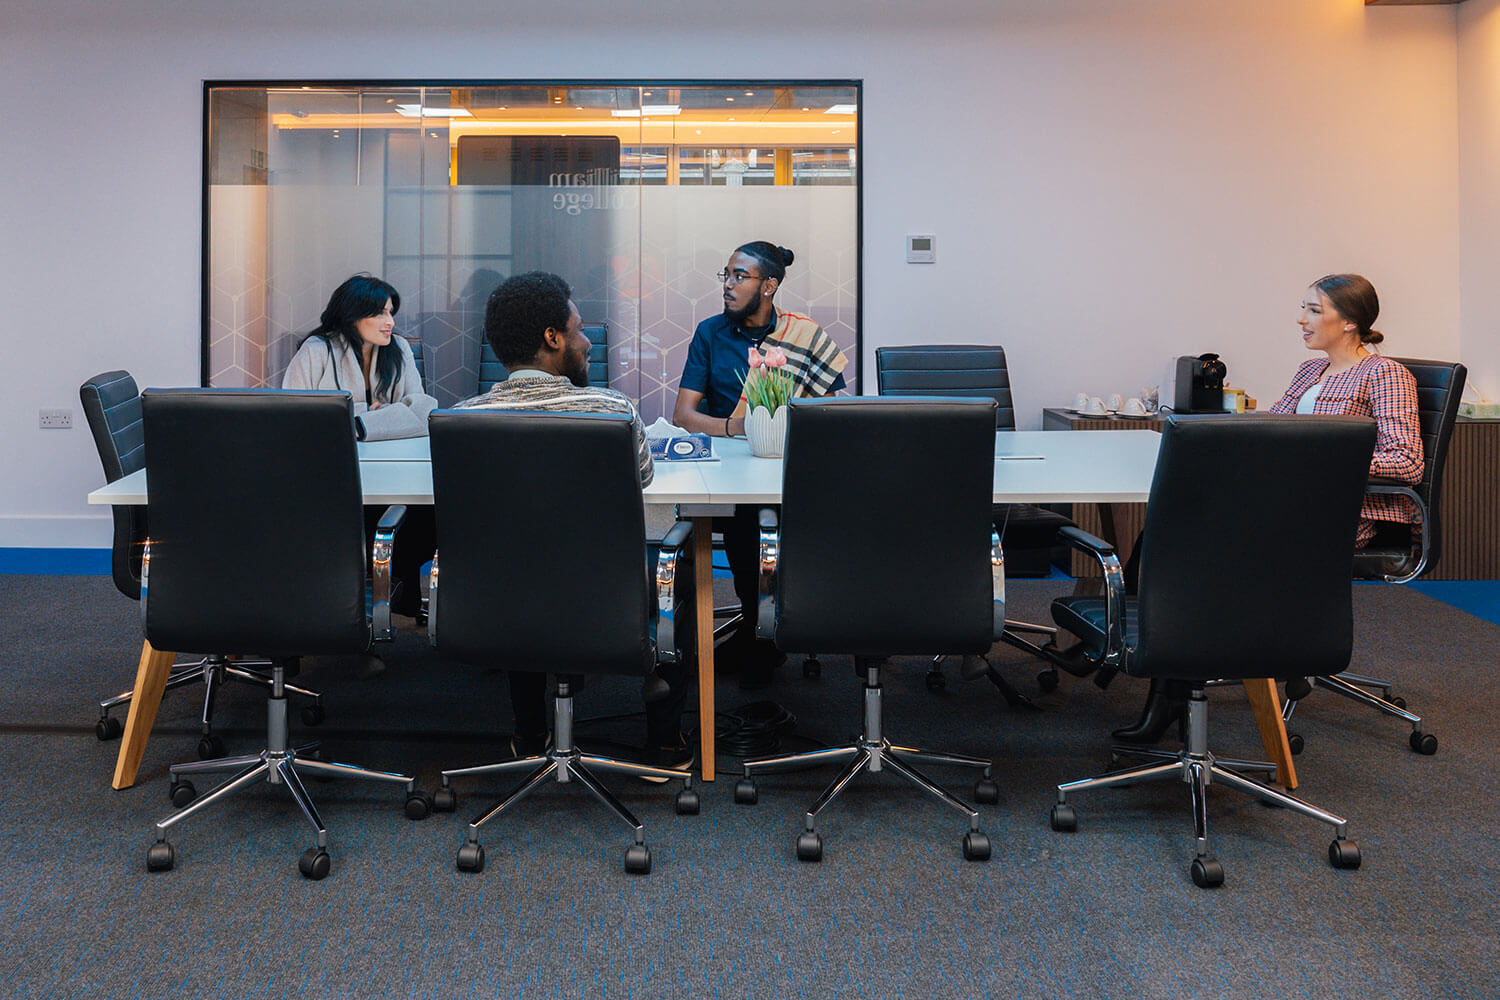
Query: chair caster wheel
[[1423, 743], [182, 792], [445, 799], [638, 859], [1064, 818], [1344, 854], [314, 864], [936, 682], [687, 802], [986, 792], [811, 668], [1207, 873], [809, 846], [1046, 681], [418, 805], [108, 728], [312, 714], [160, 857], [471, 858], [1294, 742], [1398, 701], [1297, 688], [210, 747], [745, 792], [976, 846]]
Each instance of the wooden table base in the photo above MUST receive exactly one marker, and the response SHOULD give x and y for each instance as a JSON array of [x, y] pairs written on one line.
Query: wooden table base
[[150, 682]]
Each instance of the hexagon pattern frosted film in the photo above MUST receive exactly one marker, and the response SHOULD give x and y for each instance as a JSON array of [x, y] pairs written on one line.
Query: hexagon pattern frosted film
[[636, 195]]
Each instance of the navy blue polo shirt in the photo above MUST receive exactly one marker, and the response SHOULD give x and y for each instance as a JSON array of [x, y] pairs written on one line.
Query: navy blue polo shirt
[[718, 359]]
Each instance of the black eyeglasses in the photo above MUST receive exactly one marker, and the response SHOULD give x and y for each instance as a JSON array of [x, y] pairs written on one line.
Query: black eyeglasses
[[728, 277]]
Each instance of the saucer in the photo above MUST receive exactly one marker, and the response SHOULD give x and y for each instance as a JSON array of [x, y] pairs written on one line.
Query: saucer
[[1133, 416], [1090, 413]]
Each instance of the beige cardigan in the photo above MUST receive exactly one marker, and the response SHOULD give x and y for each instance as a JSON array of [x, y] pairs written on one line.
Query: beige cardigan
[[328, 364]]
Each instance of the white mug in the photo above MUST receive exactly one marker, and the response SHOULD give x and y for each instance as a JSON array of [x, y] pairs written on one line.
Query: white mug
[[1134, 408], [1080, 401], [1114, 403], [1094, 407]]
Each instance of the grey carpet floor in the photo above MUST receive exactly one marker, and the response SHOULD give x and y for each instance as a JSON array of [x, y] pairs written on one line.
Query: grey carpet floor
[[893, 910]]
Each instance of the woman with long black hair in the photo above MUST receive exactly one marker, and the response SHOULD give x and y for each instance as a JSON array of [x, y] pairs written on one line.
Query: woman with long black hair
[[355, 348]]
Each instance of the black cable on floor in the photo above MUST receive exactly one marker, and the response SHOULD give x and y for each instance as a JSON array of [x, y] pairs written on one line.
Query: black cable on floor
[[753, 730]]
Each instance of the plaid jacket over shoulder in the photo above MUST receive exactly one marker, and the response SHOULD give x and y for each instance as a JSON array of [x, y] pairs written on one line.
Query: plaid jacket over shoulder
[[1384, 389]]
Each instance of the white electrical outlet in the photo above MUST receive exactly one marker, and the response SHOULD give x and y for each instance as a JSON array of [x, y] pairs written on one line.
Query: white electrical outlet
[[58, 419]]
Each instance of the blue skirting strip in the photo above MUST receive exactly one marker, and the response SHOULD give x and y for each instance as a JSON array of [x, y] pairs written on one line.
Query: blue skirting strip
[[1480, 598], [55, 562]]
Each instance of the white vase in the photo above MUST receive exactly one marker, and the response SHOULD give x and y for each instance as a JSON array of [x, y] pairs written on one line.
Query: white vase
[[766, 432]]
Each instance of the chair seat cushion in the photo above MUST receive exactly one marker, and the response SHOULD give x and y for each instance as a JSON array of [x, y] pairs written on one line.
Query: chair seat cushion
[[1084, 617], [1026, 526], [1390, 553]]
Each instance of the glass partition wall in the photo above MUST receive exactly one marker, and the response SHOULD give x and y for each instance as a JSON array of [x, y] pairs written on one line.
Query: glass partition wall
[[636, 194]]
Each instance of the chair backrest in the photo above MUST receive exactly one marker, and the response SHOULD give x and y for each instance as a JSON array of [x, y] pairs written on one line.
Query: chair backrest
[[1440, 385], [257, 524], [112, 406], [491, 370], [541, 541], [416, 356], [961, 370], [885, 527], [1248, 539]]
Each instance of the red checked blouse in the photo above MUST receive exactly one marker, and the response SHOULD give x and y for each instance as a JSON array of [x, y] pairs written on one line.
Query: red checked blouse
[[1384, 389]]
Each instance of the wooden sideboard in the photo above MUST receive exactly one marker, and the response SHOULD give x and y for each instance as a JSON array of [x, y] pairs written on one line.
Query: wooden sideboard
[[1468, 510]]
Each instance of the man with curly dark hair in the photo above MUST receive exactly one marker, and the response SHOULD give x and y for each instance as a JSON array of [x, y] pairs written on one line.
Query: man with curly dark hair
[[534, 328]]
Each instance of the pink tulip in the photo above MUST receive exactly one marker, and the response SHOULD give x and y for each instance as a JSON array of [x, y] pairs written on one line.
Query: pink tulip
[[775, 357], [755, 359]]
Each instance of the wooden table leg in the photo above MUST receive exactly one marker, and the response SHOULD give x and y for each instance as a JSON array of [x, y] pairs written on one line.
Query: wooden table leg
[[703, 583], [1266, 706], [145, 699]]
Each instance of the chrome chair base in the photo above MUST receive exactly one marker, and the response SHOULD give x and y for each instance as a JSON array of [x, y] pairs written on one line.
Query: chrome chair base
[[564, 763], [277, 764], [873, 752], [1199, 768], [1352, 686], [212, 671]]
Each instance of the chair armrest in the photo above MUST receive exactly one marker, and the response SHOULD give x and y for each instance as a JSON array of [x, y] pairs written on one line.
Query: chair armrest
[[673, 546], [1113, 655], [1380, 486], [1085, 542], [770, 555], [380, 571]]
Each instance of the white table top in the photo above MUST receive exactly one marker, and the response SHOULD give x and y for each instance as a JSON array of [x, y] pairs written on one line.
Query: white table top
[[1030, 467]]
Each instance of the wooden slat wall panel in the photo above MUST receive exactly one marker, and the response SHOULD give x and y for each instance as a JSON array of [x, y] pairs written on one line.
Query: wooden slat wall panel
[[1469, 509]]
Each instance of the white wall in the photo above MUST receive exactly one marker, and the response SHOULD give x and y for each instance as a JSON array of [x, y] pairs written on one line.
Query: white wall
[[1479, 192], [1111, 183]]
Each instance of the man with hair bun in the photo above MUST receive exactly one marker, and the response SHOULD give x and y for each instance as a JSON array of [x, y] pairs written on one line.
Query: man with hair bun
[[710, 400]]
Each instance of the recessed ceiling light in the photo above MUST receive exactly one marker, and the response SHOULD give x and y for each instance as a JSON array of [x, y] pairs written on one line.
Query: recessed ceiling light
[[418, 111], [729, 99], [649, 109], [749, 93], [578, 107]]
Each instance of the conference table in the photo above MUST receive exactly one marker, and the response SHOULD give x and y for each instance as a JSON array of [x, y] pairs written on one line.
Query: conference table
[[1030, 467]]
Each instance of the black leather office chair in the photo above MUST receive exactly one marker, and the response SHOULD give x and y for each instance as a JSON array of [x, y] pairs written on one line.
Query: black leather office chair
[[215, 568], [112, 406], [1240, 577], [919, 572], [1397, 554], [541, 565], [979, 370]]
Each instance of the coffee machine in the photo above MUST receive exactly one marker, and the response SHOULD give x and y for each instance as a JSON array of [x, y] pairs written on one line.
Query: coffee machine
[[1200, 384]]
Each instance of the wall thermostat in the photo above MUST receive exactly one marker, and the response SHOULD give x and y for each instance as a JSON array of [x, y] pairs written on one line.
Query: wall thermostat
[[921, 248]]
